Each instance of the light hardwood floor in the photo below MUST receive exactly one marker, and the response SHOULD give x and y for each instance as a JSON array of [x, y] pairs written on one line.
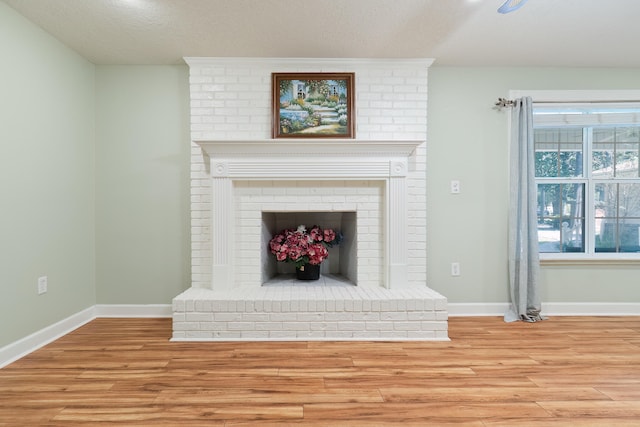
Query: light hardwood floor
[[566, 371]]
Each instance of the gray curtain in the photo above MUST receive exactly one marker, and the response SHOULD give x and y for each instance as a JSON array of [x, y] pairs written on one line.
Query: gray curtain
[[524, 262]]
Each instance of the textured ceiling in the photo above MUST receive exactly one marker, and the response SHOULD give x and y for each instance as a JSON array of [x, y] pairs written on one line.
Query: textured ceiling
[[592, 33]]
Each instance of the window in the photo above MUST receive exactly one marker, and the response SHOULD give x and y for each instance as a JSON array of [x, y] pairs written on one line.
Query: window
[[588, 180]]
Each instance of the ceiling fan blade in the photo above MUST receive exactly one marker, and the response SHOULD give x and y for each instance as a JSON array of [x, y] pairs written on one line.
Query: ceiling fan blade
[[511, 5]]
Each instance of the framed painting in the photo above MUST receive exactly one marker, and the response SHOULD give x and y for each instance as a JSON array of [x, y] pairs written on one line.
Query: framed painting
[[313, 105]]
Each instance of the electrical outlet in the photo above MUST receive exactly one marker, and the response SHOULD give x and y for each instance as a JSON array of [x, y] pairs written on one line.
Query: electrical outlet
[[42, 285], [455, 186], [455, 268]]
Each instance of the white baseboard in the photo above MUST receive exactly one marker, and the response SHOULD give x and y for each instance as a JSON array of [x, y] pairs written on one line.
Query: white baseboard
[[549, 309], [134, 310], [591, 308], [18, 349], [477, 309]]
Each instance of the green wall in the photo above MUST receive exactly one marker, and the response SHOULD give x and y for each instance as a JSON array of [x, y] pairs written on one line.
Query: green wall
[[142, 184], [46, 178], [94, 183], [467, 140]]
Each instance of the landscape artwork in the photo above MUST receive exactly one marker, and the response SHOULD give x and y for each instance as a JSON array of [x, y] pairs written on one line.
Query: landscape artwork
[[313, 105]]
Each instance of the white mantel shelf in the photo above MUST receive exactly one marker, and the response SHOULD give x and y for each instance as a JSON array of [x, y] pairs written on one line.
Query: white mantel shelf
[[314, 158], [297, 147]]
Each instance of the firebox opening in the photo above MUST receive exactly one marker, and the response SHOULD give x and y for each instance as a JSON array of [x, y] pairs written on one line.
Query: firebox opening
[[341, 264]]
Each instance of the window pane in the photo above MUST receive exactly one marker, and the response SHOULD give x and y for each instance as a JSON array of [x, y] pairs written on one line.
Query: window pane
[[546, 162], [561, 217], [570, 160], [617, 224], [617, 200], [548, 218], [606, 208], [629, 221], [629, 200], [628, 134], [630, 237], [606, 235], [602, 163], [572, 234], [615, 152], [606, 200], [627, 160], [558, 152], [617, 236], [572, 223]]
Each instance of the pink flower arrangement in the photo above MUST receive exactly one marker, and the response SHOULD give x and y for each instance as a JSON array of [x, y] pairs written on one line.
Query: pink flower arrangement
[[304, 246]]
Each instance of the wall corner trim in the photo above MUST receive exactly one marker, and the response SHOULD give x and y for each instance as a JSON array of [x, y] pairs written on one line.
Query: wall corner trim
[[18, 349]]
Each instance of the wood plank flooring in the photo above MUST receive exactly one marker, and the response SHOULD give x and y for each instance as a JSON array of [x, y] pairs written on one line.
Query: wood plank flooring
[[566, 371]]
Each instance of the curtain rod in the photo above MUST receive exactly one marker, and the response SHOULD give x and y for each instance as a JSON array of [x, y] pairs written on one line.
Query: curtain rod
[[503, 102]]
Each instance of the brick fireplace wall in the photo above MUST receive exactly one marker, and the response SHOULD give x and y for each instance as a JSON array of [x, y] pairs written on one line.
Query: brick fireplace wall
[[377, 181], [231, 99]]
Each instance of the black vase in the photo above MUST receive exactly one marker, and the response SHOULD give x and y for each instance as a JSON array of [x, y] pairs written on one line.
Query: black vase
[[308, 272]]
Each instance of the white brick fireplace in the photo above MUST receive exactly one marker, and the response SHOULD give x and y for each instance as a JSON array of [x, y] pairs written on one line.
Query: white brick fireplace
[[246, 186]]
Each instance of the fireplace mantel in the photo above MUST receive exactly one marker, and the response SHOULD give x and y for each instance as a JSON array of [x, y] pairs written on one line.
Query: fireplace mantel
[[296, 147], [310, 159], [315, 158]]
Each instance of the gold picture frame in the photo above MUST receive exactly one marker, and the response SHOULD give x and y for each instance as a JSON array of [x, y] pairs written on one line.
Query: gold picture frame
[[313, 105]]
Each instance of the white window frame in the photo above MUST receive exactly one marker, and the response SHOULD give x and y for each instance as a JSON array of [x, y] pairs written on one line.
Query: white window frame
[[585, 96]]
